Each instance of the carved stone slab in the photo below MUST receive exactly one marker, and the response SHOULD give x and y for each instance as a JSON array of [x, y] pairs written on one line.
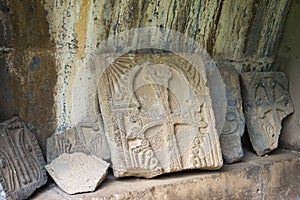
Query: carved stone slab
[[158, 115], [234, 125], [266, 102], [78, 172], [22, 166], [87, 137]]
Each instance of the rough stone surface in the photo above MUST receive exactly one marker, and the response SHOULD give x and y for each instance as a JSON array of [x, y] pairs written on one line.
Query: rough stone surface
[[273, 177], [78, 172], [87, 137], [158, 115], [234, 126], [288, 60], [266, 102], [27, 66], [79, 28], [22, 166]]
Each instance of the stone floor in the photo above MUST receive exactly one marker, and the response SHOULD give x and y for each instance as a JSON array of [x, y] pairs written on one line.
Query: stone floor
[[276, 176]]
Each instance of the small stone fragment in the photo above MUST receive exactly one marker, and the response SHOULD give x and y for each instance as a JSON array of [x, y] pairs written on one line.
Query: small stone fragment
[[78, 172], [22, 166], [266, 102], [234, 125], [87, 137]]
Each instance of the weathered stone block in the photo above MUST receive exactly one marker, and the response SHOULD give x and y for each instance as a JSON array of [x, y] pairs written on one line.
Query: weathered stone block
[[87, 137], [21, 161], [77, 173], [266, 102], [158, 115], [234, 125]]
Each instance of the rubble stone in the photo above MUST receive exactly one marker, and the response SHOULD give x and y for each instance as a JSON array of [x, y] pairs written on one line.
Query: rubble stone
[[78, 172]]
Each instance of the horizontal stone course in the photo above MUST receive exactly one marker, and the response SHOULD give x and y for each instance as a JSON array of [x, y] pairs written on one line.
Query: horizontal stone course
[[270, 177]]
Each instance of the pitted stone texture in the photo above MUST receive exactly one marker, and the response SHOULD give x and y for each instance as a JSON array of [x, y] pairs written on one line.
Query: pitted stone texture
[[87, 137], [269, 177], [266, 102], [158, 115], [22, 166], [234, 125], [77, 172]]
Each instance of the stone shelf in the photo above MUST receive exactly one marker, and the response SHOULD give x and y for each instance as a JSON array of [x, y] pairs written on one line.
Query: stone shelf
[[276, 176]]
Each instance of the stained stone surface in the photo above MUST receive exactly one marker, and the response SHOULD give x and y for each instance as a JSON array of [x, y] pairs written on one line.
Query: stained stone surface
[[22, 166], [234, 125], [266, 102], [86, 137], [78, 172], [158, 115]]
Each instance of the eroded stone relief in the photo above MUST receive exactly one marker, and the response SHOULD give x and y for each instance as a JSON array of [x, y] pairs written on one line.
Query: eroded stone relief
[[22, 166], [234, 125], [158, 116], [87, 137], [266, 102]]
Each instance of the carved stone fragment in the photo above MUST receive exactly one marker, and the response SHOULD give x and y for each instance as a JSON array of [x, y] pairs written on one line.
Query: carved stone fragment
[[86, 137], [22, 166], [78, 172], [158, 115], [266, 102], [234, 125]]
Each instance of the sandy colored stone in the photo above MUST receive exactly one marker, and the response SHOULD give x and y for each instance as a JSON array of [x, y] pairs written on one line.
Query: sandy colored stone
[[272, 177], [77, 172], [87, 137], [22, 166], [266, 102], [234, 125], [158, 115]]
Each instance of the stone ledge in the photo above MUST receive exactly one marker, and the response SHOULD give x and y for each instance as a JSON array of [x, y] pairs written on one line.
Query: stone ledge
[[276, 176]]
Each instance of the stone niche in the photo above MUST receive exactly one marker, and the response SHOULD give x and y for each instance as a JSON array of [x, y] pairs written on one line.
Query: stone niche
[[158, 115]]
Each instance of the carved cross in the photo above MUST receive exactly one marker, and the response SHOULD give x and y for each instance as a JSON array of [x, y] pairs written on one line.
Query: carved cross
[[270, 104]]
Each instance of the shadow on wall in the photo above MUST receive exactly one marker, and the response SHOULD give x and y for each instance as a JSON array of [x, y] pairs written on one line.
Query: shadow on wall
[[27, 66]]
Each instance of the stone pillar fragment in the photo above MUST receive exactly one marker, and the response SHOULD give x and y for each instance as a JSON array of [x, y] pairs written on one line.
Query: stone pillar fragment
[[234, 125], [22, 166], [158, 115], [266, 102]]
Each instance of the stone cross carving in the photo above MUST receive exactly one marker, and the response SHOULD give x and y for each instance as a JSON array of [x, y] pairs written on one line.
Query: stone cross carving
[[158, 119], [266, 103], [22, 166], [86, 137]]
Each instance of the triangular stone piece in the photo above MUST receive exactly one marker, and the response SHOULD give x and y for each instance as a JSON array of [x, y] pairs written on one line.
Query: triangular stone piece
[[78, 172]]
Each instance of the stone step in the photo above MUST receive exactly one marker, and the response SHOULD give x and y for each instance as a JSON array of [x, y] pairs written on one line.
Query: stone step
[[276, 176]]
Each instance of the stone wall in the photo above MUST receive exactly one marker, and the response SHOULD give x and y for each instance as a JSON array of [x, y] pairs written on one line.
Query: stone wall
[[27, 66], [242, 32], [288, 60]]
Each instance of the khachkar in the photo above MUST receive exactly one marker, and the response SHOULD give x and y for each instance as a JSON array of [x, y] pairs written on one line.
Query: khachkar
[[266, 102], [86, 137], [234, 125], [22, 166], [158, 115]]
